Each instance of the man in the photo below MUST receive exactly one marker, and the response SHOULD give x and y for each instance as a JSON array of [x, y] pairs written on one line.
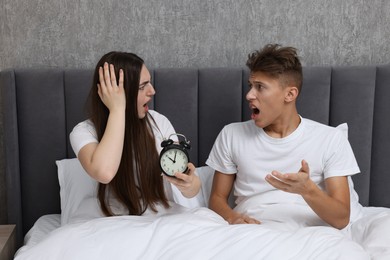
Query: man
[[284, 168]]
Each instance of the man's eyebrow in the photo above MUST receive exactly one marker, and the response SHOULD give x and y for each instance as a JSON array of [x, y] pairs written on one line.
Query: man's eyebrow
[[255, 82]]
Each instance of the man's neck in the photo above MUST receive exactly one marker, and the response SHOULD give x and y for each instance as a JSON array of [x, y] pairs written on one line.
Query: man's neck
[[283, 127]]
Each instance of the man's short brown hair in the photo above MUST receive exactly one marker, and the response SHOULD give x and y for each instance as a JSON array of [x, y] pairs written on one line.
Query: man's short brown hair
[[278, 62]]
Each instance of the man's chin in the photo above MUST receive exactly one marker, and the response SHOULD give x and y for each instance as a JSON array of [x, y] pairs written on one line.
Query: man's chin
[[258, 123]]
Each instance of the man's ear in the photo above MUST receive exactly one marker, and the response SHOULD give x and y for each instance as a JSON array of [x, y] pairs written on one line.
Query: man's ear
[[291, 94]]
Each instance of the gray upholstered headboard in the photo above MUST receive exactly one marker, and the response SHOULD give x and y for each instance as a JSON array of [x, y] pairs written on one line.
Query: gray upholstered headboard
[[41, 106]]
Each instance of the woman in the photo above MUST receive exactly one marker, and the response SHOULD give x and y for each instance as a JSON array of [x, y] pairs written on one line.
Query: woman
[[118, 146]]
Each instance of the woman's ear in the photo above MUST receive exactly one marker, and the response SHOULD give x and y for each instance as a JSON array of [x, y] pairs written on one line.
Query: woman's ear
[[291, 94]]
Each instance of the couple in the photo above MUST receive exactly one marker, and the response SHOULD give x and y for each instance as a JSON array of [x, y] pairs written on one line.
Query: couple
[[276, 158]]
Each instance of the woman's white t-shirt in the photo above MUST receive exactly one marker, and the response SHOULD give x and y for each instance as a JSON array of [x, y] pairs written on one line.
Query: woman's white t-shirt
[[84, 133]]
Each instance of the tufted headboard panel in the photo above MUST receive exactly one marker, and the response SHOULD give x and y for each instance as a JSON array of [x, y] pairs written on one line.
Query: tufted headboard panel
[[41, 106]]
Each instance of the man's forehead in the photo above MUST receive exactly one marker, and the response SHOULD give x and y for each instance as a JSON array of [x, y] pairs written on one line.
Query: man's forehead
[[255, 75]]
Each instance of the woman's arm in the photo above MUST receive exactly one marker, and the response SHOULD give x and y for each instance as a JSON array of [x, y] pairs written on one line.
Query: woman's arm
[[101, 160]]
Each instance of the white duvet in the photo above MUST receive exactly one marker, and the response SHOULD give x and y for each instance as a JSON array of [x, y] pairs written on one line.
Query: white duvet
[[199, 233], [370, 230], [189, 234]]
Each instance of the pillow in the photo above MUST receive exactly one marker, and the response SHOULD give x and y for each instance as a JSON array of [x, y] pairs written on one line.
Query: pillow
[[356, 207], [343, 128], [206, 175], [78, 192]]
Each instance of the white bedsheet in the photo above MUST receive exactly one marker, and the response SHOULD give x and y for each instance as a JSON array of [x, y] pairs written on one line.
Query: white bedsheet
[[42, 227], [188, 234], [199, 233]]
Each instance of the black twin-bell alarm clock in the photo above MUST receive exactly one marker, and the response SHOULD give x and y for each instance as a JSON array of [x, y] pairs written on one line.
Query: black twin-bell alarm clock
[[174, 156]]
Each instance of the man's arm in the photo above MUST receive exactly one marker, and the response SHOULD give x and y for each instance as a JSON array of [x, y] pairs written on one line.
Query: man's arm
[[332, 205], [221, 188]]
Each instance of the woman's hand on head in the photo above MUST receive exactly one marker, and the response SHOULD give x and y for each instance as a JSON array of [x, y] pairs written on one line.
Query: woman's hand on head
[[188, 183], [111, 91]]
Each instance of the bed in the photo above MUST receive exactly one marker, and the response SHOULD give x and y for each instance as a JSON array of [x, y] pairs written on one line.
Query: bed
[[53, 206]]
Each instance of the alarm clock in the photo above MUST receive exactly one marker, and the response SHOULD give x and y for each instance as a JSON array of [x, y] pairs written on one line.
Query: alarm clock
[[174, 156]]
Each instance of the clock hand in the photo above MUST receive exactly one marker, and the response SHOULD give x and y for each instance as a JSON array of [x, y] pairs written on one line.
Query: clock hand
[[171, 159], [175, 156]]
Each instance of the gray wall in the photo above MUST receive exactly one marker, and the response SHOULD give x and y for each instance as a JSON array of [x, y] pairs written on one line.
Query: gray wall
[[189, 33], [182, 33]]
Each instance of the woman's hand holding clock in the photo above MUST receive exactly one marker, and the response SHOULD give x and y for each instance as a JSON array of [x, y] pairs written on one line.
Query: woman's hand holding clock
[[188, 183]]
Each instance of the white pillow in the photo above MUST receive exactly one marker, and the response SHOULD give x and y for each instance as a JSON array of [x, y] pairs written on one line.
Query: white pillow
[[78, 192], [206, 175], [344, 128], [356, 207]]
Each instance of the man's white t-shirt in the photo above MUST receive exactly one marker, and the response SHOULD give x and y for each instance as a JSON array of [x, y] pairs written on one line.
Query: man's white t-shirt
[[247, 151]]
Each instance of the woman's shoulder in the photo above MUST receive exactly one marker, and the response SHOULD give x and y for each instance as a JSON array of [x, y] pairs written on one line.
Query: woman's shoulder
[[160, 124], [84, 126], [158, 117]]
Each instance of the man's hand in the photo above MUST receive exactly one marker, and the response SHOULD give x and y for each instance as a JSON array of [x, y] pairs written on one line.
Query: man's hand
[[332, 204], [238, 218], [299, 183]]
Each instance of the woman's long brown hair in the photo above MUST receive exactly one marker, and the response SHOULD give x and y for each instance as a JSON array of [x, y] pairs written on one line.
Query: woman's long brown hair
[[137, 184]]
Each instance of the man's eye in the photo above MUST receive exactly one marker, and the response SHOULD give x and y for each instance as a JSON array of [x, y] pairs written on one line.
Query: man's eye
[[256, 86]]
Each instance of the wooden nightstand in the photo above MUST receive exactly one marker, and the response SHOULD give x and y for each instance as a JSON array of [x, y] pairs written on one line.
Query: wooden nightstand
[[7, 242]]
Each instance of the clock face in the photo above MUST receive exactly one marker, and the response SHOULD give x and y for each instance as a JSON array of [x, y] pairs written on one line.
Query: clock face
[[173, 160]]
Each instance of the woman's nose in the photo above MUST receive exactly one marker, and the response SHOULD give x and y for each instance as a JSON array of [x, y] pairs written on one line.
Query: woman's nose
[[151, 90]]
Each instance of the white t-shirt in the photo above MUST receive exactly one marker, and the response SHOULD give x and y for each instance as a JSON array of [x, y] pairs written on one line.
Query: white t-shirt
[[247, 151], [85, 133]]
